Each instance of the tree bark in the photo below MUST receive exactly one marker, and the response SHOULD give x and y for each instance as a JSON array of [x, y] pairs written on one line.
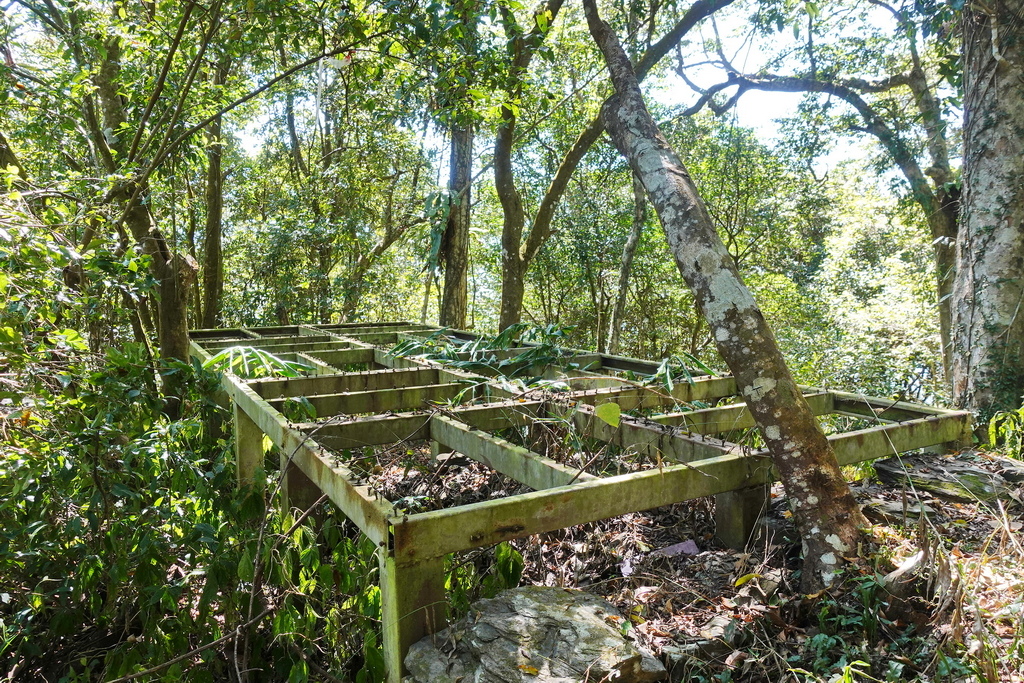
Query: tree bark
[[293, 137], [213, 265], [513, 271], [988, 325], [521, 47], [9, 158], [628, 252], [454, 251], [455, 241], [824, 509]]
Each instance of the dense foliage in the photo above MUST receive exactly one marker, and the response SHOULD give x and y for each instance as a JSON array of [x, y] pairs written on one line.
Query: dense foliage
[[125, 542]]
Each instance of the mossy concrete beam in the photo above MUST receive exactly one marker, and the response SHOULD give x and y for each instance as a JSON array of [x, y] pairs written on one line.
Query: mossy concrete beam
[[638, 397], [655, 442], [381, 400], [522, 464], [370, 380], [727, 418], [379, 430], [433, 534], [358, 503], [348, 356], [318, 365], [375, 430], [892, 439], [281, 345]]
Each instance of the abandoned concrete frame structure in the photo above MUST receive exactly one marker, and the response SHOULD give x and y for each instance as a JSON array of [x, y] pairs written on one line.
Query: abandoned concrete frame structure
[[392, 399]]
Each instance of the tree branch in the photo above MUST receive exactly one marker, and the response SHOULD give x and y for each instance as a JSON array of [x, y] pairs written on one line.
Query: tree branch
[[541, 229], [158, 87], [166, 149]]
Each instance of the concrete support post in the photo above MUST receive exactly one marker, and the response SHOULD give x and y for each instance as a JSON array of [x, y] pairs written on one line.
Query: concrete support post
[[736, 515], [297, 490], [414, 605], [248, 447]]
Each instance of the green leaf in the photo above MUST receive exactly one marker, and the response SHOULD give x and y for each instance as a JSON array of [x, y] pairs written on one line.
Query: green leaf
[[509, 563], [542, 20], [122, 491], [299, 672], [246, 566], [609, 413]]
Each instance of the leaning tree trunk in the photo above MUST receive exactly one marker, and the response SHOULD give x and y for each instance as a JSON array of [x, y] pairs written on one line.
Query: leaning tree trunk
[[628, 252], [455, 242], [825, 510], [9, 158], [988, 294]]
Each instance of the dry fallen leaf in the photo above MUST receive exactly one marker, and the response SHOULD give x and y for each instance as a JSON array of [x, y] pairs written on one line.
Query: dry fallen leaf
[[737, 657]]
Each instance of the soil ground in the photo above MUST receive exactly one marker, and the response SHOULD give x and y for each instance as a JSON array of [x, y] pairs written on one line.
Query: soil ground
[[717, 614]]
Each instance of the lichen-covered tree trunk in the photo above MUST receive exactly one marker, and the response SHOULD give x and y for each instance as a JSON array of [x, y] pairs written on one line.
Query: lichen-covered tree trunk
[[626, 267], [988, 294], [455, 242], [825, 510]]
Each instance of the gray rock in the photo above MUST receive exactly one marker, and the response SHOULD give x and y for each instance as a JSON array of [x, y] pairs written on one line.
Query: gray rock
[[534, 634]]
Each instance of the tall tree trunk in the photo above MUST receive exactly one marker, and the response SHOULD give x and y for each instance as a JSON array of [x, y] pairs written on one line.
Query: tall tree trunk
[[293, 137], [825, 510], [513, 268], [628, 252], [213, 266], [522, 46], [988, 294], [944, 225], [455, 242], [426, 296], [174, 272]]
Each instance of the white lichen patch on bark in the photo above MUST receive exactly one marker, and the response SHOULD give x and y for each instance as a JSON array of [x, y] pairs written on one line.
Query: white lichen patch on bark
[[725, 291], [758, 388], [837, 543], [772, 432]]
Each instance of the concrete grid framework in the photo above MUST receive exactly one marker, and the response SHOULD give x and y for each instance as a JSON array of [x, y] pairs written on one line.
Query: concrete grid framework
[[396, 400]]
